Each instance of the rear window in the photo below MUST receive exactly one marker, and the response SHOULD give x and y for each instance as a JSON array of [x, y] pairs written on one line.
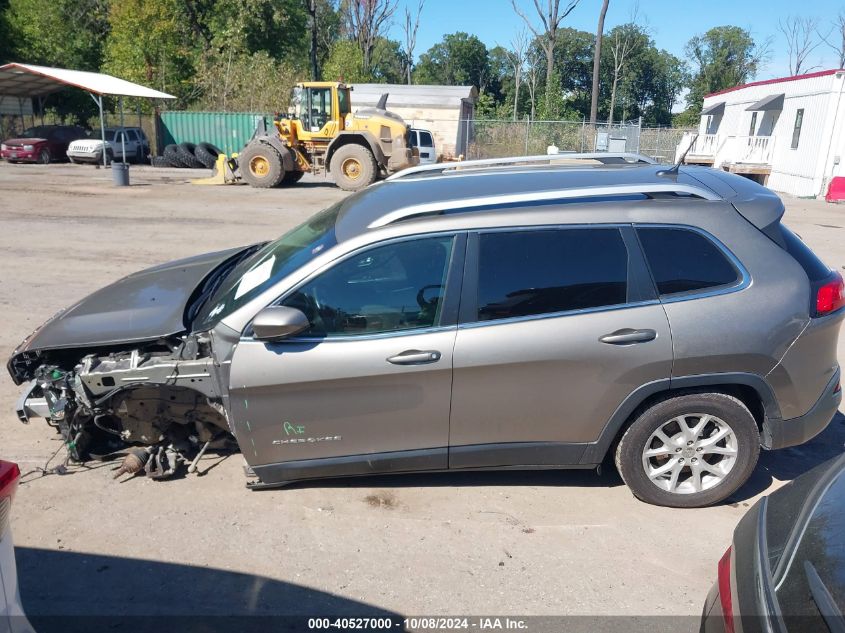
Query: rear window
[[812, 265], [525, 273], [682, 260]]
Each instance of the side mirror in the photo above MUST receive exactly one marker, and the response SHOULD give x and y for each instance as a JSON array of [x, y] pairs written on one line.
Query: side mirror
[[275, 323]]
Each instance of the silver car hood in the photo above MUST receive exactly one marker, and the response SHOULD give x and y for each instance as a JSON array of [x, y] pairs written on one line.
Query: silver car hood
[[144, 306]]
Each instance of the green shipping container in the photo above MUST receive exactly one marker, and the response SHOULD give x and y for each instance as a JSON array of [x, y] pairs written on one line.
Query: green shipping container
[[229, 131]]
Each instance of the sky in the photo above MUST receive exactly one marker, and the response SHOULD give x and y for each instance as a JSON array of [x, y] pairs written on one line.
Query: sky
[[671, 23]]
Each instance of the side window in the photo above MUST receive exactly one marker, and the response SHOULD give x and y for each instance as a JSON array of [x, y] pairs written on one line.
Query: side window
[[683, 261], [796, 130], [523, 273], [388, 288], [132, 135]]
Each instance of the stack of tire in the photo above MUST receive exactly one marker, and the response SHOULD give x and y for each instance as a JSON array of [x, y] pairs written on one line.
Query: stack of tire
[[188, 155]]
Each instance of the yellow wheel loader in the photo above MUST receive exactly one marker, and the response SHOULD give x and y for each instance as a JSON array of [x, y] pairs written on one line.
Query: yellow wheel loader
[[320, 134]]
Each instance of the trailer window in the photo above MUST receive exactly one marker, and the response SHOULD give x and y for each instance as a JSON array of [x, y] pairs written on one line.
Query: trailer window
[[796, 131]]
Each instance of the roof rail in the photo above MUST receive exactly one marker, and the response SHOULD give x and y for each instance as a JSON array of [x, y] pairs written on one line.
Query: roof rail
[[607, 158], [603, 191]]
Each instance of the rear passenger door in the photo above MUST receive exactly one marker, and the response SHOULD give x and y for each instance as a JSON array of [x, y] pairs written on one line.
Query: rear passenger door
[[557, 327]]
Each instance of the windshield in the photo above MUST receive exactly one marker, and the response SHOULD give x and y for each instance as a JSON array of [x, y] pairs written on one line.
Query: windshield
[[36, 132], [270, 264]]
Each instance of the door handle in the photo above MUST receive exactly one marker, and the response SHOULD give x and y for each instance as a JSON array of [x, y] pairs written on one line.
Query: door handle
[[415, 357], [627, 336]]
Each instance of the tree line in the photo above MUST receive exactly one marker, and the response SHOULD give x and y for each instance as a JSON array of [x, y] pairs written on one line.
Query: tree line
[[247, 54]]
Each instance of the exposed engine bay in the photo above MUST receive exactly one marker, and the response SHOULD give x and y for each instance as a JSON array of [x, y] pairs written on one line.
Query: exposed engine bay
[[162, 401]]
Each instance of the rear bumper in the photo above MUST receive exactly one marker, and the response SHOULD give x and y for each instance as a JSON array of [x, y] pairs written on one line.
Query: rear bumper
[[785, 433]]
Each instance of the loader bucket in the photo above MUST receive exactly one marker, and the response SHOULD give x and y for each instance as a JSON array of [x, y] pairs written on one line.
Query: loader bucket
[[224, 172]]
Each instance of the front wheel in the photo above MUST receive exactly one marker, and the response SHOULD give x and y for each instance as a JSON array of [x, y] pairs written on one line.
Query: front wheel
[[261, 166], [44, 157], [689, 451], [353, 167]]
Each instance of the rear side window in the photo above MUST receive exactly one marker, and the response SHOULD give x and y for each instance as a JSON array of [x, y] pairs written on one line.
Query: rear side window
[[812, 265], [684, 261], [524, 273]]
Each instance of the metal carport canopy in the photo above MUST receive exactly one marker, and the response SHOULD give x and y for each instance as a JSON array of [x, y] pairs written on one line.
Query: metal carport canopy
[[28, 80]]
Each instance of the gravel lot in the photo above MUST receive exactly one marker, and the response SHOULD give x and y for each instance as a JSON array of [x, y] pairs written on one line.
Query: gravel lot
[[538, 543]]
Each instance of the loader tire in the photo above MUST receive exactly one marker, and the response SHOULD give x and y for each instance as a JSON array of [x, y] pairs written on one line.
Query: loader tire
[[186, 155], [207, 154], [261, 166], [171, 155], [353, 167], [292, 177]]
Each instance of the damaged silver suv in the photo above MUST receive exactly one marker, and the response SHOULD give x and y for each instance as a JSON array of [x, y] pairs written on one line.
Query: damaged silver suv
[[538, 312]]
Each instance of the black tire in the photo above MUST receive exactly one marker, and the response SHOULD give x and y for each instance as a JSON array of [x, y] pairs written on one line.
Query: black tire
[[730, 411], [261, 166], [44, 157], [207, 154], [186, 155], [353, 167], [292, 177], [171, 155], [160, 161]]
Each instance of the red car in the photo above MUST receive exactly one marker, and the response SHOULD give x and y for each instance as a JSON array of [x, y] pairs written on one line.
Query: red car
[[41, 144]]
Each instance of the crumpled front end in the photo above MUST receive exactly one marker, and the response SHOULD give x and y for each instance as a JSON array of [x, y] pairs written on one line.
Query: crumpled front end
[[166, 397]]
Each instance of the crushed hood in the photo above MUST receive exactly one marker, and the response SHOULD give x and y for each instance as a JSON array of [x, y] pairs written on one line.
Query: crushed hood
[[144, 306]]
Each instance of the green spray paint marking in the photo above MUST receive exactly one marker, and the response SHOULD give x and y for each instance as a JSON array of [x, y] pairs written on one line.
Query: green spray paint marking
[[290, 429]]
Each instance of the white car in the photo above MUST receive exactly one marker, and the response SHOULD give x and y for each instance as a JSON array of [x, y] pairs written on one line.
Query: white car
[[423, 140], [132, 140], [12, 618]]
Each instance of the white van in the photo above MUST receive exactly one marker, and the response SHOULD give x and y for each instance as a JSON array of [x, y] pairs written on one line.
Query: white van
[[424, 141]]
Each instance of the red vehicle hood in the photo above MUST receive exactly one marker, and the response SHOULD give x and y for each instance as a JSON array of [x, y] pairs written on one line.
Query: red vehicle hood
[[24, 141]]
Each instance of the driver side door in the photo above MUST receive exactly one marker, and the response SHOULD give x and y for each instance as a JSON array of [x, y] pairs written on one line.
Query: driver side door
[[366, 388]]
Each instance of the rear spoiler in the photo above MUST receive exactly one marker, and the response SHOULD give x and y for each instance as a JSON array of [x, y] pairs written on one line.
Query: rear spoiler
[[759, 205]]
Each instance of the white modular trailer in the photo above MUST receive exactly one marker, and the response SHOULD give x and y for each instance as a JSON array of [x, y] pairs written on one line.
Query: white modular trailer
[[788, 133]]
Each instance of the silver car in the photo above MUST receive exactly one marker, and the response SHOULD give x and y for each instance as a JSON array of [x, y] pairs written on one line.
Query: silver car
[[545, 312]]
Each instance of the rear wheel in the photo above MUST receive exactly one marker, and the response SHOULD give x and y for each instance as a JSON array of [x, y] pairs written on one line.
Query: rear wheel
[[689, 451], [353, 167], [261, 166]]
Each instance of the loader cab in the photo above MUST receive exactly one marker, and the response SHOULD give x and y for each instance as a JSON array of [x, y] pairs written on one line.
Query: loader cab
[[321, 108]]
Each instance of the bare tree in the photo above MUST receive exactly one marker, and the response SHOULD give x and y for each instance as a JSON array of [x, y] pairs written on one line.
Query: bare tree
[[624, 43], [365, 21], [516, 57], [835, 38], [800, 41], [550, 19], [594, 99], [532, 76], [311, 7], [410, 27]]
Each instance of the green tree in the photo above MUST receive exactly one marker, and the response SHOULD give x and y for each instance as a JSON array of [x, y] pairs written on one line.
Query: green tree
[[725, 56], [346, 62], [459, 59], [65, 33], [148, 43], [7, 35]]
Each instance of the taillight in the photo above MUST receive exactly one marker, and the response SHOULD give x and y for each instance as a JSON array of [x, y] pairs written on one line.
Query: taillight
[[10, 474], [725, 591], [831, 296]]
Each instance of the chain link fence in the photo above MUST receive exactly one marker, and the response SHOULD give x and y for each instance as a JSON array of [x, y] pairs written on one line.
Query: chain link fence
[[498, 138]]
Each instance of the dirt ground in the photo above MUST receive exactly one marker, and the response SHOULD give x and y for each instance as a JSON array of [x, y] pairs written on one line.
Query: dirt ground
[[521, 543]]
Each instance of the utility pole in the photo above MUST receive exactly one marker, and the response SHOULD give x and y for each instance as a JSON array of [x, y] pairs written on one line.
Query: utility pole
[[594, 100]]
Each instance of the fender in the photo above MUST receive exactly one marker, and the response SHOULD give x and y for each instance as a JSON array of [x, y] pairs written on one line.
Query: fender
[[596, 451], [276, 143], [361, 137]]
